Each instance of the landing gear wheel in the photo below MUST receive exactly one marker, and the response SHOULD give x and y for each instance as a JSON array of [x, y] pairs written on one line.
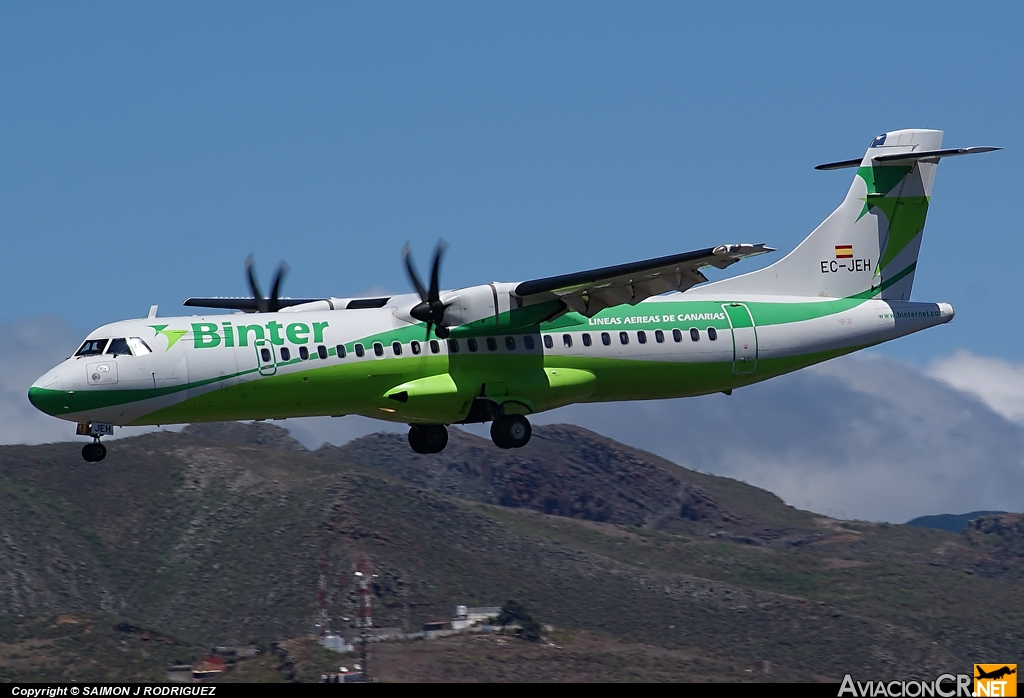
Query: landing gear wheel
[[428, 438], [511, 431], [94, 452]]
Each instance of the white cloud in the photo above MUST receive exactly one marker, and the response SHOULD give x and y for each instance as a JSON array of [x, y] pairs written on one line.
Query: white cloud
[[998, 382], [32, 346], [862, 437]]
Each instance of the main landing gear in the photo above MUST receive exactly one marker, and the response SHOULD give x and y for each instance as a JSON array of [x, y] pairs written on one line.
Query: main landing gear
[[94, 452], [428, 438], [511, 431], [507, 431]]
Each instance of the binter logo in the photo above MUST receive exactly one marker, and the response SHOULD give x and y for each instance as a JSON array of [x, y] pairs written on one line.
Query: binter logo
[[206, 335], [995, 680]]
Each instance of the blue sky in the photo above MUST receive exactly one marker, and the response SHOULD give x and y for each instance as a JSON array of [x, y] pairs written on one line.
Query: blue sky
[[146, 149]]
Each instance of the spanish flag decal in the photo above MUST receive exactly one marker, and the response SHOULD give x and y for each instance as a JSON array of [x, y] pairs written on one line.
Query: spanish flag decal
[[844, 251]]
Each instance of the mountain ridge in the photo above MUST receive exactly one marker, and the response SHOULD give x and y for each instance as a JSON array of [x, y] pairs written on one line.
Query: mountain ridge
[[214, 535]]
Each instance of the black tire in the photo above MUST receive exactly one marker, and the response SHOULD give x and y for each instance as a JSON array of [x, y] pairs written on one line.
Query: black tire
[[94, 452], [416, 439], [511, 431], [428, 438]]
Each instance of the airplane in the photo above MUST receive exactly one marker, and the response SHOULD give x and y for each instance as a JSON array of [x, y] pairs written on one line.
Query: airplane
[[499, 352], [994, 674]]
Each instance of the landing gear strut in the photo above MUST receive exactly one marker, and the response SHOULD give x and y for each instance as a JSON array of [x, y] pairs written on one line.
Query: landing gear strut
[[511, 431], [428, 438], [94, 452]]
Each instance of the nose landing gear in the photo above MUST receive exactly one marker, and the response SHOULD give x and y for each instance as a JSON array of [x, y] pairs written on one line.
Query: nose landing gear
[[94, 452]]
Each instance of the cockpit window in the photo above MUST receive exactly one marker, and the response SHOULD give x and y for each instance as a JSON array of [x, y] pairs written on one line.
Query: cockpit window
[[138, 346], [92, 347], [119, 347]]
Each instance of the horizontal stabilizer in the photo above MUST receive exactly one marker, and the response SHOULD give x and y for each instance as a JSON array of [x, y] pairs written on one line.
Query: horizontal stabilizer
[[949, 152], [841, 165], [910, 156]]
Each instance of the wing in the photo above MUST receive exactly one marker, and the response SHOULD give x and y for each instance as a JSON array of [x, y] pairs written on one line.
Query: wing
[[246, 304], [249, 305], [589, 292]]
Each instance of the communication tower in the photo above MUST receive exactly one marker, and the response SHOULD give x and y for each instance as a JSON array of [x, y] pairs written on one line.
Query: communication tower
[[364, 577]]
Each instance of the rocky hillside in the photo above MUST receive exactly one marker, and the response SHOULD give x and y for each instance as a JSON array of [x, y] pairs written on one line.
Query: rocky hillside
[[218, 534]]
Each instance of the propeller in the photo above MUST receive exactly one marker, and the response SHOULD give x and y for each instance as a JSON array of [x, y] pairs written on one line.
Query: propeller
[[430, 309], [270, 304]]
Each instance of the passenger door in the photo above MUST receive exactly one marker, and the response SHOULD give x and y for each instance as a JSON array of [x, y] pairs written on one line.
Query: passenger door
[[744, 338]]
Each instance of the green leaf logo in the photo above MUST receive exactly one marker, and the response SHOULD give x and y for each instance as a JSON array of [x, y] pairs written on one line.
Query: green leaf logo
[[172, 335]]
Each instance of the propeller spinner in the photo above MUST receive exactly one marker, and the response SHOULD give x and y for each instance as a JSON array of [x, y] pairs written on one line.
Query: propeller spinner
[[430, 310]]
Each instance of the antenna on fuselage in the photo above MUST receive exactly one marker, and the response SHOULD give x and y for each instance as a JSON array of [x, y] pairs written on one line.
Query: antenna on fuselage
[[152, 311]]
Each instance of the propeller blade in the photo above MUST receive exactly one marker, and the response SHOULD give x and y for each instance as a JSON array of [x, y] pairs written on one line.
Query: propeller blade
[[273, 304], [430, 309], [435, 273], [410, 271], [261, 303]]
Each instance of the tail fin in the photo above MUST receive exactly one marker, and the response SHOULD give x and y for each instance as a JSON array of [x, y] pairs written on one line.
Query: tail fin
[[869, 245]]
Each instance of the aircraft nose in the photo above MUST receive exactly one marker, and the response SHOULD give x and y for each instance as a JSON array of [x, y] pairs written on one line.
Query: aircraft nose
[[45, 393]]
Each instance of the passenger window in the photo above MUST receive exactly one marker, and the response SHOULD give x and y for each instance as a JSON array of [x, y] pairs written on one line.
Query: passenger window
[[118, 347], [92, 347], [567, 341], [265, 355], [397, 348], [606, 338], [510, 343], [453, 346], [303, 353], [586, 339], [286, 354], [434, 346], [471, 344], [712, 334], [677, 336], [624, 337], [138, 346], [547, 341], [321, 351], [415, 346], [695, 334], [641, 337], [659, 336], [492, 344], [360, 351], [340, 349], [378, 349], [528, 342]]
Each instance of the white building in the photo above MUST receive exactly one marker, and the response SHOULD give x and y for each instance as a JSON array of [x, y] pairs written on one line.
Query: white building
[[466, 616]]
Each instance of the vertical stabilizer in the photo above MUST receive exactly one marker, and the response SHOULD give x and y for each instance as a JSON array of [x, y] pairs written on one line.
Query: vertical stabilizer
[[869, 245]]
